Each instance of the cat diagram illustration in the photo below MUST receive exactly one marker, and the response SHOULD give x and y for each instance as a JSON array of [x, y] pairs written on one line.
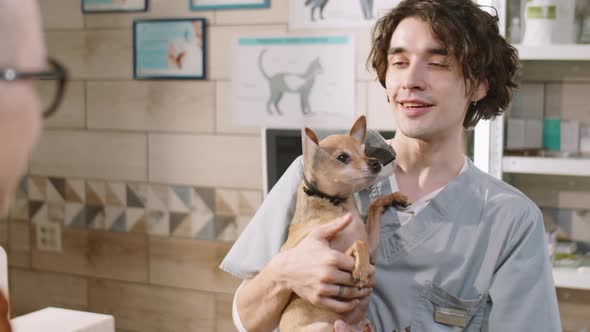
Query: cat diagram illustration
[[286, 82], [366, 5]]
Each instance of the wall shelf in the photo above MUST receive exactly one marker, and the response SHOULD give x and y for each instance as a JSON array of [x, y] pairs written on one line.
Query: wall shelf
[[578, 278], [561, 52], [546, 165]]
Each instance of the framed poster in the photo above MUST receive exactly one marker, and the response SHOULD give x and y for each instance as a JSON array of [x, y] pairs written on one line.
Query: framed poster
[[169, 48], [291, 81], [336, 13], [228, 4], [110, 6]]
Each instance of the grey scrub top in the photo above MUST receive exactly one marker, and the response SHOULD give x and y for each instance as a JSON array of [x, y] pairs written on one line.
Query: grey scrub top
[[475, 256]]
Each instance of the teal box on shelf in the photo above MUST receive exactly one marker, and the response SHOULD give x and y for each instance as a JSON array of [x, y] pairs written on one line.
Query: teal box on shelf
[[552, 134]]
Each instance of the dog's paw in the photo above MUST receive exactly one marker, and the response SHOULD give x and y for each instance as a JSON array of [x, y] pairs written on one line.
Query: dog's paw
[[399, 200], [360, 278], [400, 204]]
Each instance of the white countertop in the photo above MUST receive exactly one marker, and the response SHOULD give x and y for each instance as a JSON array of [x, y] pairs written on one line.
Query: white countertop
[[63, 320], [578, 278]]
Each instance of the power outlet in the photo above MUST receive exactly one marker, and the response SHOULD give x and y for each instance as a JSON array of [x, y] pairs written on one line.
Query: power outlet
[[49, 236]]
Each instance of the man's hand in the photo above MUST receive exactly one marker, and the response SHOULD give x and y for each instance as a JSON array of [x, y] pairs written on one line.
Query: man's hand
[[357, 314], [316, 272], [355, 319]]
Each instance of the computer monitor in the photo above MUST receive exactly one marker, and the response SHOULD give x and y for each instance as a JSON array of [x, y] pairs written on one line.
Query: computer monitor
[[279, 148]]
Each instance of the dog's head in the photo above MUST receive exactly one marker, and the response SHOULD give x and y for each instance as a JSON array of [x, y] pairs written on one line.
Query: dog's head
[[338, 164]]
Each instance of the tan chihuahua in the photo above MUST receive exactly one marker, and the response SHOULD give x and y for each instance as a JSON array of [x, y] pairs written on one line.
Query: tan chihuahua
[[334, 169]]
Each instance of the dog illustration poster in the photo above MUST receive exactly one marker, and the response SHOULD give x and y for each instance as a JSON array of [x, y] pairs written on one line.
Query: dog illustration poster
[[172, 48], [336, 13], [227, 4], [89, 6], [286, 82]]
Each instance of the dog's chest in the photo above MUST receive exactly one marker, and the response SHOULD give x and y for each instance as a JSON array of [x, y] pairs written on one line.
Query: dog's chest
[[312, 212], [354, 231]]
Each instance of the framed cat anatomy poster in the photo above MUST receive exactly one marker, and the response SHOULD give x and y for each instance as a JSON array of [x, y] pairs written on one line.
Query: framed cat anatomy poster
[[292, 81], [336, 13], [169, 48]]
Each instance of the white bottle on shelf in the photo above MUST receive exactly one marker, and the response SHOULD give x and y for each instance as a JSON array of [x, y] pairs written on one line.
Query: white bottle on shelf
[[549, 22]]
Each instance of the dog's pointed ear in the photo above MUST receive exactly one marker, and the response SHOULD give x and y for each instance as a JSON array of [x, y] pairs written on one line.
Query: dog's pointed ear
[[310, 145], [312, 136], [359, 129]]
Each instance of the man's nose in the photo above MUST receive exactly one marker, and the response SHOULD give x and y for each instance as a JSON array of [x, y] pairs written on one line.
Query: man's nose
[[415, 77]]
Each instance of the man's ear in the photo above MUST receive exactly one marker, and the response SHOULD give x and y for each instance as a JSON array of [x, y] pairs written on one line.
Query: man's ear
[[480, 91]]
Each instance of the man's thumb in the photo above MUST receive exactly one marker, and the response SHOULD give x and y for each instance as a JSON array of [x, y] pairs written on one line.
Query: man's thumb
[[332, 228]]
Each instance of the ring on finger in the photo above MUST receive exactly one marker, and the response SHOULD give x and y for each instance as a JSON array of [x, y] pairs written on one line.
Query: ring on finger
[[341, 291]]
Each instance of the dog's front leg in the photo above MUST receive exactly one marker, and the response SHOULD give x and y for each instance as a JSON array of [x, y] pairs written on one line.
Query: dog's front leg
[[373, 224], [360, 272]]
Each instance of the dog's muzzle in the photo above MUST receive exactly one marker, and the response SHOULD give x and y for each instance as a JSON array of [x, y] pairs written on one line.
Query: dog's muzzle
[[374, 166], [382, 155]]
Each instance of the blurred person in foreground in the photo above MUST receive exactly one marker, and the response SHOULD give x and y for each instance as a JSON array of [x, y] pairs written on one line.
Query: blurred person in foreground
[[23, 62]]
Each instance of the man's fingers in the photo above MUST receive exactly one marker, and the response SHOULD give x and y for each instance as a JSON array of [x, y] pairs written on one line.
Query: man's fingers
[[337, 305], [344, 275], [341, 326], [329, 230], [347, 292]]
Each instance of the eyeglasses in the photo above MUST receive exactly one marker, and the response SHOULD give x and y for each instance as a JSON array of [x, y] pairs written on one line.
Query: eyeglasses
[[50, 84], [487, 9]]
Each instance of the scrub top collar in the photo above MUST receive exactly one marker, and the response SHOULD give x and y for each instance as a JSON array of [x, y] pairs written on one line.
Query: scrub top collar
[[443, 208]]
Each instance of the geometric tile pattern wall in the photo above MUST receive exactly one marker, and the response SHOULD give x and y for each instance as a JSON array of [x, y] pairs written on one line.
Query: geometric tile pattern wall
[[157, 209]]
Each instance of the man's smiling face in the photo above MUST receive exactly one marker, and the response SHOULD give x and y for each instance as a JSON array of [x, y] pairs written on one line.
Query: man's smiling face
[[424, 84]]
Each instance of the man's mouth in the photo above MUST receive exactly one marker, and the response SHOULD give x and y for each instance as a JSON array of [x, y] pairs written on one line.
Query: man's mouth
[[415, 105]]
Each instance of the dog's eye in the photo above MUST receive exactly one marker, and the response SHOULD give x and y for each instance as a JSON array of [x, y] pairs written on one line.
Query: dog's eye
[[343, 157]]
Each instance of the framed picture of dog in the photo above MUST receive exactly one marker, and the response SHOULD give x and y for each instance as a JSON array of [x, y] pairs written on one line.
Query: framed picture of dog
[[336, 13], [227, 4], [169, 48], [289, 81], [309, 14], [112, 6]]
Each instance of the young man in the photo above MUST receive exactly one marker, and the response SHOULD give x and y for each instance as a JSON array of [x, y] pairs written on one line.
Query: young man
[[469, 253], [22, 52]]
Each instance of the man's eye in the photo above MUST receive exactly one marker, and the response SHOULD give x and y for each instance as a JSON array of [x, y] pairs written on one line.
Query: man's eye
[[344, 157]]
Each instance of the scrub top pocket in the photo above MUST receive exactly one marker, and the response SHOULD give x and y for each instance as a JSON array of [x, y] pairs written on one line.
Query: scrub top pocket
[[439, 310]]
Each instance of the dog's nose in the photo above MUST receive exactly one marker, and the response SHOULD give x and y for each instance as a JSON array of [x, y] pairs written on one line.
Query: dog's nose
[[375, 166]]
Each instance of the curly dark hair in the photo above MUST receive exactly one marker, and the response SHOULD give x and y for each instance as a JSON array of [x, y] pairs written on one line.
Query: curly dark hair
[[471, 36]]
